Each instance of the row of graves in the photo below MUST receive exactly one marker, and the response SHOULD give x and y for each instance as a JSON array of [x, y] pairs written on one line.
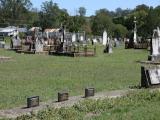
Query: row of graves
[[53, 42], [150, 70], [136, 42]]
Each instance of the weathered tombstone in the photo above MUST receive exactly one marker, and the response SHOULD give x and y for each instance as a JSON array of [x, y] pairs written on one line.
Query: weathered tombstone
[[73, 37], [39, 45], [104, 38], [63, 96], [150, 76], [81, 38], [89, 92], [155, 46], [94, 40], [32, 101], [108, 48], [16, 42], [116, 42]]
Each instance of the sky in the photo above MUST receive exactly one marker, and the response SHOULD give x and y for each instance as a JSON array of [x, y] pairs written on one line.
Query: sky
[[93, 5]]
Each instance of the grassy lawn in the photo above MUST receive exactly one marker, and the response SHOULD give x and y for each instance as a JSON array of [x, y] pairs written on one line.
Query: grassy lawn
[[29, 75], [142, 105]]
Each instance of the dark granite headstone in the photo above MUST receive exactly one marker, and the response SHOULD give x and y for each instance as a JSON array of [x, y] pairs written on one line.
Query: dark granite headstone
[[89, 92], [33, 101], [63, 96]]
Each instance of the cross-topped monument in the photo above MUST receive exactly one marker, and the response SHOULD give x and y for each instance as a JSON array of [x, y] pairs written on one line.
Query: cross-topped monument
[[135, 31]]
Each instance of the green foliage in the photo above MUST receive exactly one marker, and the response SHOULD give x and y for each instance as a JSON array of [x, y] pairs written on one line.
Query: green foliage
[[82, 11], [120, 31], [101, 22], [14, 11]]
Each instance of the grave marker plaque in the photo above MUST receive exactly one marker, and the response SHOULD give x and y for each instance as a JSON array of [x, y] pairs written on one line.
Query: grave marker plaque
[[89, 92], [32, 101], [63, 96]]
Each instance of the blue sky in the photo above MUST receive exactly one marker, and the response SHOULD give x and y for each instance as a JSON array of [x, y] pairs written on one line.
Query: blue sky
[[93, 5]]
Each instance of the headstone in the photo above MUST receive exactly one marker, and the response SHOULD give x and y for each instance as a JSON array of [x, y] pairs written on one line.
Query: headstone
[[16, 42], [63, 96], [94, 40], [32, 101], [89, 92], [150, 76], [104, 38], [81, 38], [108, 48], [73, 37], [155, 46], [39, 45], [116, 42]]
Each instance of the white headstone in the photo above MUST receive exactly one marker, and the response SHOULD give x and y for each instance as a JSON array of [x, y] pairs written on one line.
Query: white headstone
[[73, 37], [95, 40], [16, 41], [156, 42], [154, 76], [104, 38], [135, 37], [81, 38], [39, 45]]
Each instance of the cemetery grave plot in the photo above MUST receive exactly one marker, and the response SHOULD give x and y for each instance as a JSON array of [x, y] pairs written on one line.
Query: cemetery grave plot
[[75, 51], [53, 42], [150, 70], [72, 44], [150, 76], [45, 76]]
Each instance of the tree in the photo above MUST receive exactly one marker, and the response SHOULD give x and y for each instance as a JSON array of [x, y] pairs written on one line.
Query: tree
[[15, 11], [102, 21], [120, 31], [52, 16], [82, 11]]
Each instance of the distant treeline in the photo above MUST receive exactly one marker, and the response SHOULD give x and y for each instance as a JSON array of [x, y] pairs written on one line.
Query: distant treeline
[[118, 23]]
